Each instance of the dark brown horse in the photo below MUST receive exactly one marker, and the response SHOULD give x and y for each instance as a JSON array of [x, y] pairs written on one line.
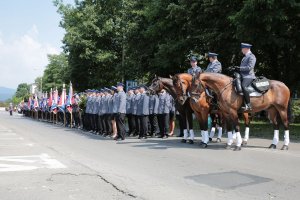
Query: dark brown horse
[[275, 101], [182, 82], [185, 111], [200, 103]]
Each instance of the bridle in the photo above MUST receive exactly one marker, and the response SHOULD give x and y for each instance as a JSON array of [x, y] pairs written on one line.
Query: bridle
[[158, 86]]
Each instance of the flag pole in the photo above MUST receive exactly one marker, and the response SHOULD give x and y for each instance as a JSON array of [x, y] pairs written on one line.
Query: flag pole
[[71, 119]]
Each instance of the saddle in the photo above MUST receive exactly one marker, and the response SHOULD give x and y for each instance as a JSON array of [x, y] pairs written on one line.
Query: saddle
[[257, 88]]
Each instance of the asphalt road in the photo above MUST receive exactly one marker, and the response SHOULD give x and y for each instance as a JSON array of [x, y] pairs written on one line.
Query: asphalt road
[[39, 160]]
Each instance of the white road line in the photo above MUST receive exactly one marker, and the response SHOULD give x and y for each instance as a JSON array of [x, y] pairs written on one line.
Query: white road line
[[30, 162]]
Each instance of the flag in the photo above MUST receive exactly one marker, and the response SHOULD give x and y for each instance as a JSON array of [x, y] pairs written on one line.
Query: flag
[[29, 103], [36, 102], [55, 101], [70, 99], [50, 99], [62, 100]]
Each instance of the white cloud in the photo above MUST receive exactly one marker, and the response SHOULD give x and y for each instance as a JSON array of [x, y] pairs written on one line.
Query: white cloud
[[23, 58]]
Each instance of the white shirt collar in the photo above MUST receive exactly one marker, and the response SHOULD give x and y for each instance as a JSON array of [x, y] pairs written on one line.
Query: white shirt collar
[[248, 53]]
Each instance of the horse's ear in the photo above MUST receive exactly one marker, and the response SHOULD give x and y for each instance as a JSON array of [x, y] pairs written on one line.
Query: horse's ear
[[171, 76]]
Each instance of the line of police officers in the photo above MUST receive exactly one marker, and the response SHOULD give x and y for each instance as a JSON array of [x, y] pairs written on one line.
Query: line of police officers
[[147, 114]]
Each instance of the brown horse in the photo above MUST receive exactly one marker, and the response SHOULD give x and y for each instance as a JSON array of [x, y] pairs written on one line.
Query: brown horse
[[200, 103], [185, 110], [275, 100], [182, 82]]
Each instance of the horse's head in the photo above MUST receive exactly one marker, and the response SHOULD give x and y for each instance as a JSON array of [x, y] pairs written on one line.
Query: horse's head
[[181, 84], [156, 85], [196, 86]]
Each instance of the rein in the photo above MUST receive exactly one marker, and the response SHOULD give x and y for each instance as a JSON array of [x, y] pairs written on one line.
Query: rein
[[226, 86]]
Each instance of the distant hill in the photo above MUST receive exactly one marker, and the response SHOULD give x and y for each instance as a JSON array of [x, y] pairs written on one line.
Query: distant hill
[[6, 93]]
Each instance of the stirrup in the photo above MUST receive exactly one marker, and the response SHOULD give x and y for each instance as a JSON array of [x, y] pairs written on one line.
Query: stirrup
[[247, 107], [208, 93]]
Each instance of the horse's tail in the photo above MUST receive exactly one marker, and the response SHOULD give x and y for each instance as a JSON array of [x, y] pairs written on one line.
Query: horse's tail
[[290, 111]]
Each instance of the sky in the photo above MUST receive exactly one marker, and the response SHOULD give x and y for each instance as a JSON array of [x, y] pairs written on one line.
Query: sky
[[29, 31]]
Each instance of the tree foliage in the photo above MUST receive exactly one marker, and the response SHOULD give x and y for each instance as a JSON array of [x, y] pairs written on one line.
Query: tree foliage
[[56, 73], [116, 40]]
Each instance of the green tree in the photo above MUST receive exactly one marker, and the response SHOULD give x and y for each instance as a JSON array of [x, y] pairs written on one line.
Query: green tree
[[274, 28], [22, 90], [56, 72]]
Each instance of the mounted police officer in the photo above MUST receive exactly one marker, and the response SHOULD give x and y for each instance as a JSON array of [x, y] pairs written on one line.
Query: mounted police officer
[[214, 65], [246, 70], [195, 69]]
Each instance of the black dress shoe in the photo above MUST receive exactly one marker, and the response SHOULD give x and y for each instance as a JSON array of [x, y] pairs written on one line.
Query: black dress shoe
[[210, 139], [285, 147], [272, 146], [227, 146], [183, 141], [203, 145], [237, 148], [191, 141]]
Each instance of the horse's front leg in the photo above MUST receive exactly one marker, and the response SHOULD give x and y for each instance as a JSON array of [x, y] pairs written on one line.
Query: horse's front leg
[[238, 133], [247, 128]]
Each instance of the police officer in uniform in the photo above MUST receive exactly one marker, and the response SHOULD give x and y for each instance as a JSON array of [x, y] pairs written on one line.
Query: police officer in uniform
[[163, 113], [88, 111], [194, 67], [120, 103], [246, 70], [143, 112], [153, 110], [134, 110], [100, 113], [129, 110], [214, 65]]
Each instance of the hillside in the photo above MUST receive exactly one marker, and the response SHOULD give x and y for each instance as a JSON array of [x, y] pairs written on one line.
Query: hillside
[[6, 93]]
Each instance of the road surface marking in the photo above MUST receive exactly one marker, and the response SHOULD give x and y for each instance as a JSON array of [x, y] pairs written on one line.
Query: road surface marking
[[25, 163]]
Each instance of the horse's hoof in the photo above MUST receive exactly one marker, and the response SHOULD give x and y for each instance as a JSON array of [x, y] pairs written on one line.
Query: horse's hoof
[[272, 146], [237, 148], [204, 145], [285, 147], [244, 143], [228, 146], [191, 141], [210, 139], [183, 141], [219, 140]]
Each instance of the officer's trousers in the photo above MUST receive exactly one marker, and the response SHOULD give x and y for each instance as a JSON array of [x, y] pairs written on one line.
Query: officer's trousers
[[131, 124], [153, 124], [163, 123], [137, 125], [143, 123], [108, 125], [120, 122]]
